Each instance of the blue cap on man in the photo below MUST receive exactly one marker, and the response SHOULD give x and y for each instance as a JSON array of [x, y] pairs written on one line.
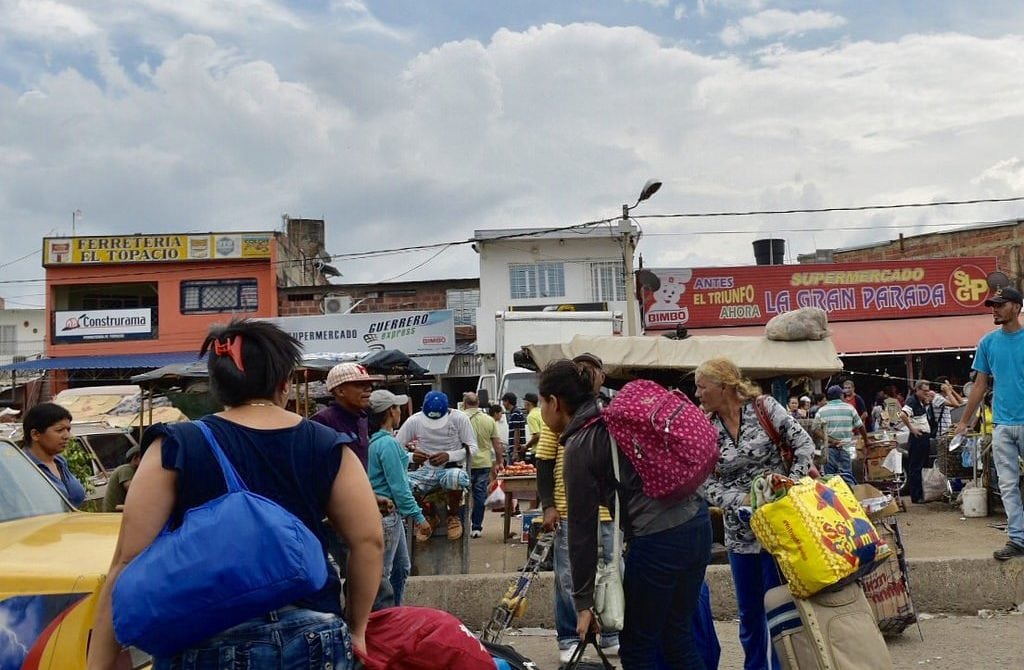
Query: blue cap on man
[[834, 392]]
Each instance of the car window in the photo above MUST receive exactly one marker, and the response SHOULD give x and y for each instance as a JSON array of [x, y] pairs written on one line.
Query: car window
[[24, 491], [110, 448]]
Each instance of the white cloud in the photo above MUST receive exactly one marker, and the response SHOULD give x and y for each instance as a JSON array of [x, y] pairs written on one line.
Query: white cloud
[[46, 19], [774, 22], [679, 13]]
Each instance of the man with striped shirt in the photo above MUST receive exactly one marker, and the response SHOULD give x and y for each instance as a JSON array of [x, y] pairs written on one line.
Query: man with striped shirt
[[840, 420]]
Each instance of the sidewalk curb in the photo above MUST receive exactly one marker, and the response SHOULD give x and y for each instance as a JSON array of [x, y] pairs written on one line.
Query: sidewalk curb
[[955, 586]]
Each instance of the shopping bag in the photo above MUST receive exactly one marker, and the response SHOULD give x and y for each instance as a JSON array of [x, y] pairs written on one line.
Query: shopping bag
[[934, 484], [819, 535], [496, 496]]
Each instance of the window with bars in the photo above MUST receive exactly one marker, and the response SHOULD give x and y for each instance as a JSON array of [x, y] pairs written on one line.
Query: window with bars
[[463, 303], [212, 296], [540, 280], [8, 340], [608, 281]]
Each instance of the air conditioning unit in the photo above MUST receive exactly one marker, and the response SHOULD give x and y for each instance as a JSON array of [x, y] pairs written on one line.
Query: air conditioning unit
[[336, 304]]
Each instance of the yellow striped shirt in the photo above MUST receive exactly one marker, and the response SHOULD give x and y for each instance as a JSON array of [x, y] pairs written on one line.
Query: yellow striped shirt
[[549, 449]]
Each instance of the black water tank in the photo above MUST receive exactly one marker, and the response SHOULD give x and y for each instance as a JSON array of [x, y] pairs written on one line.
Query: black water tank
[[769, 251]]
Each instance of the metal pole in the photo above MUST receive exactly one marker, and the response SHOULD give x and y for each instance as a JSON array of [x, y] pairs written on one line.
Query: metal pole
[[626, 231]]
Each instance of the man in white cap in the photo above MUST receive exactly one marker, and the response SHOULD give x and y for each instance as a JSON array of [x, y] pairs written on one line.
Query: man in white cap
[[9, 415], [351, 385], [439, 436]]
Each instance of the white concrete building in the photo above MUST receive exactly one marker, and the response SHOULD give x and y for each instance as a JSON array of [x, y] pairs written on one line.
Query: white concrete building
[[22, 334], [539, 268]]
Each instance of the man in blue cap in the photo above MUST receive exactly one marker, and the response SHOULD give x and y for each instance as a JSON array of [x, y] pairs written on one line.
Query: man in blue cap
[[438, 437]]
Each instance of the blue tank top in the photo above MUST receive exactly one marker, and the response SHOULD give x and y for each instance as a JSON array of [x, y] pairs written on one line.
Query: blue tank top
[[295, 467]]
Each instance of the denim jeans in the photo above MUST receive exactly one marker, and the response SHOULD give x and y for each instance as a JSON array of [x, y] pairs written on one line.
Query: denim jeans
[[396, 563], [288, 639], [753, 575], [481, 479], [918, 447], [565, 608], [662, 584], [840, 463], [1007, 448]]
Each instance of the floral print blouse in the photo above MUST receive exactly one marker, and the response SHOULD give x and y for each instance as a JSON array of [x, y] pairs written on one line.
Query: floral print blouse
[[740, 461]]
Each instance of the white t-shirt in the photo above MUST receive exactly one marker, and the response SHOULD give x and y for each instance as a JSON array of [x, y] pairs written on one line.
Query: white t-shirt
[[451, 437]]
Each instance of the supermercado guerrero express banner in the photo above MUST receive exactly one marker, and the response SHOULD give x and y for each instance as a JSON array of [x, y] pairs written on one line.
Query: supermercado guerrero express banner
[[423, 332], [750, 295]]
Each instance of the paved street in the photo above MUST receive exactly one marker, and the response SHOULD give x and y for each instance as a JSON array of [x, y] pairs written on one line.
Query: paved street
[[950, 643]]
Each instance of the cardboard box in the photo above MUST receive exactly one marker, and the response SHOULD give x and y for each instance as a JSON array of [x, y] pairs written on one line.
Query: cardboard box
[[867, 492], [874, 471]]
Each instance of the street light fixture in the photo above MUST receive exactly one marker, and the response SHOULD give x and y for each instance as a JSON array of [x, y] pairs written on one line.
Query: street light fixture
[[628, 248]]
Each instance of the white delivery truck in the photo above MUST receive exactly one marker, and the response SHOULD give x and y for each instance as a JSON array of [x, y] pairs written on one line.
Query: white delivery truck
[[514, 330]]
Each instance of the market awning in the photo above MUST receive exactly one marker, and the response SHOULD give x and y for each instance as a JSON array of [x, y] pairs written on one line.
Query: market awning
[[120, 361], [893, 336], [436, 364]]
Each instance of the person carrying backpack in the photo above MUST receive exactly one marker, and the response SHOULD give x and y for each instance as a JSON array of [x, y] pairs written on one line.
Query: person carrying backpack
[[747, 451], [669, 541]]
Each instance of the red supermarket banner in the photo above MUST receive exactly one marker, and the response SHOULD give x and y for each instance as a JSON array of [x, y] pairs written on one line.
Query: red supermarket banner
[[750, 295]]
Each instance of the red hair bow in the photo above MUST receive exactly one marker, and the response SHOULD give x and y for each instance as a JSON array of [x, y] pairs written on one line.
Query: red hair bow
[[233, 348]]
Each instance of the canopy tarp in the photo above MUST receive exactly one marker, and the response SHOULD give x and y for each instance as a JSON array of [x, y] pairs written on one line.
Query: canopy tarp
[[387, 362], [757, 357]]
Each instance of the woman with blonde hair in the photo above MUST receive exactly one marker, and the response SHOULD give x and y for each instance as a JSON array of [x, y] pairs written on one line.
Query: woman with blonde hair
[[746, 452]]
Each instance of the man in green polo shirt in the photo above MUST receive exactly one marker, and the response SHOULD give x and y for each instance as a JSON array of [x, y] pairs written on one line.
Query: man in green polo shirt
[[120, 480], [489, 456]]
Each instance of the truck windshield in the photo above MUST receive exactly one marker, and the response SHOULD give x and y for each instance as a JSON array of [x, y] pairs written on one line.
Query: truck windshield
[[24, 491], [519, 383]]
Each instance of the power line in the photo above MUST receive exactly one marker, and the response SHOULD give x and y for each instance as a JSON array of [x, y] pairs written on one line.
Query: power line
[[822, 210]]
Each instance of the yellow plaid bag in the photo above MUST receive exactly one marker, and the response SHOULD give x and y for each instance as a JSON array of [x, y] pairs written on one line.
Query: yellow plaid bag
[[818, 534]]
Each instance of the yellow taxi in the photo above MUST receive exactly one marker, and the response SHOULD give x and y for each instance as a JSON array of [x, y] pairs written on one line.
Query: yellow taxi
[[53, 560]]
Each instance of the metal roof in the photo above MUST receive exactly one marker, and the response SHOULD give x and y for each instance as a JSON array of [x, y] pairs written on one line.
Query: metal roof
[[118, 361]]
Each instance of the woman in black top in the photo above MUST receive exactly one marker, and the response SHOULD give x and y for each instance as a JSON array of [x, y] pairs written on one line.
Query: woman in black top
[[668, 542]]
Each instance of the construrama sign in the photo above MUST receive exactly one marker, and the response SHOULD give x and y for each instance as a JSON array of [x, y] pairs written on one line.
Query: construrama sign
[[103, 324], [750, 295], [424, 332]]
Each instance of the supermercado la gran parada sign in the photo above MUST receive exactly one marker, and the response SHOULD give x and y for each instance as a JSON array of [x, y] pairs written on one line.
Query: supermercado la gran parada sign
[[107, 249], [751, 295], [412, 333]]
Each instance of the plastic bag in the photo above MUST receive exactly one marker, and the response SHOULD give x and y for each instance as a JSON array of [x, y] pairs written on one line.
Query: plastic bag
[[934, 484], [806, 323], [818, 534], [496, 497]]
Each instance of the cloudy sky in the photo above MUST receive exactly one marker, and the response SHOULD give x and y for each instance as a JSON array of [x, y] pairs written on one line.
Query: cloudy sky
[[408, 122]]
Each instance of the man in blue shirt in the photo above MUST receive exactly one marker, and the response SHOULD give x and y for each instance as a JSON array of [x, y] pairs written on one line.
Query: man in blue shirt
[[1001, 354]]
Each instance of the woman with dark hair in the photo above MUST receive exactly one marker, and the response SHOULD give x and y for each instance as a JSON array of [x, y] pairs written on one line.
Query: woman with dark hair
[[302, 466], [386, 465], [669, 542], [47, 431]]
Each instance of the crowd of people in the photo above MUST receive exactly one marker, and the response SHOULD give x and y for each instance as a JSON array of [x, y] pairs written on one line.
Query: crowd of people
[[355, 471]]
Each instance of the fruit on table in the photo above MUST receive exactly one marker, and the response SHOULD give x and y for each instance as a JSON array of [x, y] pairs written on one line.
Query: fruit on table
[[519, 468]]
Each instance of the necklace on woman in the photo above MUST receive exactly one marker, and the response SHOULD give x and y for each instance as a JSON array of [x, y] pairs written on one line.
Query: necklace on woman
[[261, 404]]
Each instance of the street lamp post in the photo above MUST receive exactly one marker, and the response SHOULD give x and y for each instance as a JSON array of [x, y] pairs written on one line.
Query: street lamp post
[[628, 249]]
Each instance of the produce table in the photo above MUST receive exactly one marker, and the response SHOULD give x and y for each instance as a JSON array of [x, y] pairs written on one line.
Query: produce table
[[517, 484]]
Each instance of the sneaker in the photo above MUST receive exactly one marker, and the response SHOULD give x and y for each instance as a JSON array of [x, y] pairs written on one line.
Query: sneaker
[[1011, 550], [476, 533], [422, 535], [454, 528], [565, 655], [611, 650]]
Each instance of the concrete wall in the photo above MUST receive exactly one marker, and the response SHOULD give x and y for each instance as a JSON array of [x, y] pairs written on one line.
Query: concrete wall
[[957, 586]]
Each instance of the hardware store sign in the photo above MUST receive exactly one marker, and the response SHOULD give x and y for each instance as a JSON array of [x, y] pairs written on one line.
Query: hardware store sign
[[103, 324], [154, 248], [751, 295], [412, 333]]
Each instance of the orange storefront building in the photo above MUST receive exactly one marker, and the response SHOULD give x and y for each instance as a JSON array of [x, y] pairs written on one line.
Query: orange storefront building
[[120, 304]]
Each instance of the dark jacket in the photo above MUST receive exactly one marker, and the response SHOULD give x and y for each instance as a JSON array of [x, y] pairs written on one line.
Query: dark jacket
[[353, 426], [590, 482]]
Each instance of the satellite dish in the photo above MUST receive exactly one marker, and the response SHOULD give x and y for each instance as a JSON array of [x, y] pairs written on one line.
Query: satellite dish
[[648, 280], [997, 280]]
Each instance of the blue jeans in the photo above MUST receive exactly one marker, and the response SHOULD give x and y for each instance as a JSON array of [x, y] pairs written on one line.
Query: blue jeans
[[1007, 447], [480, 480], [840, 463], [662, 583], [753, 575], [288, 639], [565, 608], [396, 563]]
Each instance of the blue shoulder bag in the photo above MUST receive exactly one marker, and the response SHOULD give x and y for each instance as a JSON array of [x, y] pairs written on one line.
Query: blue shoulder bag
[[234, 558]]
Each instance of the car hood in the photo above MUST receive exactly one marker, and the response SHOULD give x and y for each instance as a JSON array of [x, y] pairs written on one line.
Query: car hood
[[56, 553]]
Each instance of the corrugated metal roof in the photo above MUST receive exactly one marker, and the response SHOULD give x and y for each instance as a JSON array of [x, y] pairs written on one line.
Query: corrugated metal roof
[[119, 361]]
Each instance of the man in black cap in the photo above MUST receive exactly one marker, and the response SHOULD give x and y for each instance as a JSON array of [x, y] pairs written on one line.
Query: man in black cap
[[120, 480], [1001, 354]]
